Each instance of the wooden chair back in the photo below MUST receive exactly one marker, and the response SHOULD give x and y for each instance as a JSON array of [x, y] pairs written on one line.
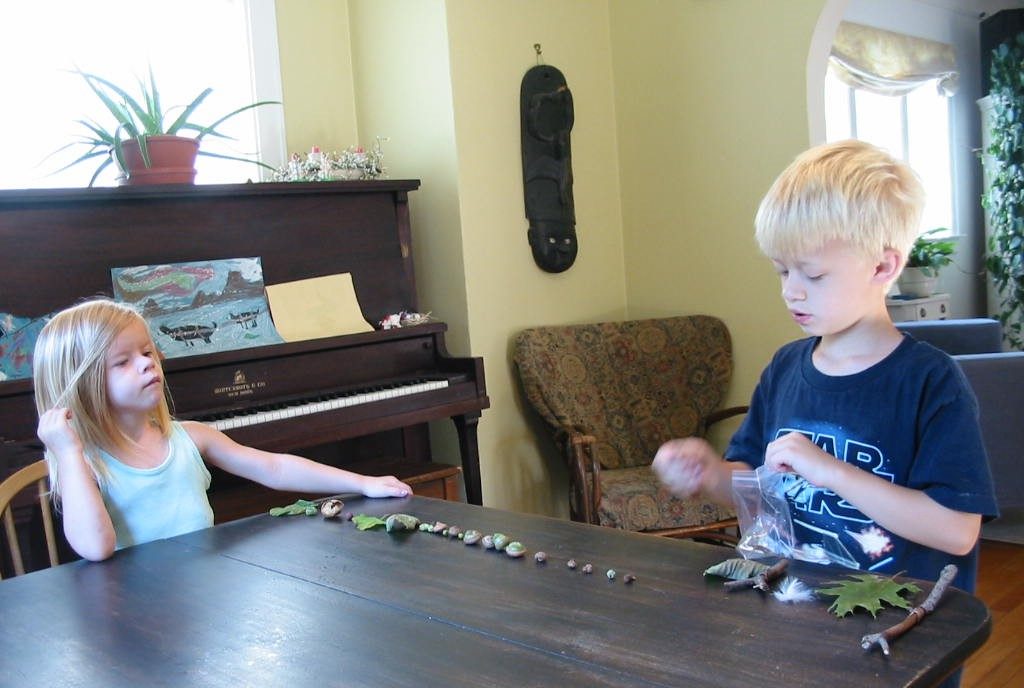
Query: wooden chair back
[[32, 475]]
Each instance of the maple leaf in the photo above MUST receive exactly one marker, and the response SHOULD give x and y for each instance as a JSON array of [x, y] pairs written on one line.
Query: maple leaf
[[869, 592]]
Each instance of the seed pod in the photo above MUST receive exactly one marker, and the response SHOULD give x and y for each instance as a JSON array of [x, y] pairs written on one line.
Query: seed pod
[[588, 568], [471, 537], [500, 541], [611, 574], [331, 508], [454, 531], [571, 563], [515, 549], [540, 557], [628, 578], [439, 527], [487, 541], [401, 522]]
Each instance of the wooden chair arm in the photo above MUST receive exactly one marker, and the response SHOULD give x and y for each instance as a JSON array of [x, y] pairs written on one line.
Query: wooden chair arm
[[584, 459], [718, 416]]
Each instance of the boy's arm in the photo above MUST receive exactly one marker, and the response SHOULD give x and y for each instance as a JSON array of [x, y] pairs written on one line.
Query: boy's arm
[[87, 525], [286, 471], [907, 512]]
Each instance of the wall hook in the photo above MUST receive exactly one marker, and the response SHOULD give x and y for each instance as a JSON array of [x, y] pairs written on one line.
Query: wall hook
[[540, 58]]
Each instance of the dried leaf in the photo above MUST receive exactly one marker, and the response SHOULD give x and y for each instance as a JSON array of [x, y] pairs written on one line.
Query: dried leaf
[[736, 569], [868, 591]]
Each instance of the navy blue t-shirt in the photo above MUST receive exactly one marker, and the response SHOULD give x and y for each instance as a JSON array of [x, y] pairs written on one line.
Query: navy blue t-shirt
[[911, 419]]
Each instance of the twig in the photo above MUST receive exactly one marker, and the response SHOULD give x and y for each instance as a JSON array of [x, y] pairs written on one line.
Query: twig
[[761, 581], [914, 616]]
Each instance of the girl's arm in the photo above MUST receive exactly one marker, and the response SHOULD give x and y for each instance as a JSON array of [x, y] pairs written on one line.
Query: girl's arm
[[907, 512], [286, 471], [87, 525]]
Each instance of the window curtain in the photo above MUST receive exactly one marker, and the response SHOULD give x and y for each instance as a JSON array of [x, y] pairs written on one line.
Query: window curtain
[[891, 64]]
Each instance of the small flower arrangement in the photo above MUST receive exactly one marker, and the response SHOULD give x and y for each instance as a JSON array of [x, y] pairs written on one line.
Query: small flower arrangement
[[355, 162]]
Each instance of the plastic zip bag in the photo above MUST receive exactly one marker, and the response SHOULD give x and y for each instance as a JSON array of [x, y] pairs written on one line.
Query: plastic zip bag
[[766, 529]]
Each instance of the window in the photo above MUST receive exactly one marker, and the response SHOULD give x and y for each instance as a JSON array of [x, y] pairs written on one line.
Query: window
[[227, 45], [912, 127]]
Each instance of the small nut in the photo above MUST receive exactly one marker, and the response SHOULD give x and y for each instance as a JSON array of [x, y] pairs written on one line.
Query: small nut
[[500, 540], [628, 578], [588, 568], [515, 549], [611, 574], [487, 541], [571, 563], [331, 508], [454, 531], [540, 557], [471, 537], [439, 527]]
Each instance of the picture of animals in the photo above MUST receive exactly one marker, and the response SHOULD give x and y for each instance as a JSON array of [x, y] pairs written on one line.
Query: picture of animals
[[200, 307]]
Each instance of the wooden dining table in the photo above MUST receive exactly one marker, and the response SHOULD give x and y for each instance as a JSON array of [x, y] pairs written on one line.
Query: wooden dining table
[[303, 600]]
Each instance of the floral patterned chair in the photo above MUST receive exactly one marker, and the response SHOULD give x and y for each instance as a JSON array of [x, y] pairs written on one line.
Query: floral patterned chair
[[610, 394]]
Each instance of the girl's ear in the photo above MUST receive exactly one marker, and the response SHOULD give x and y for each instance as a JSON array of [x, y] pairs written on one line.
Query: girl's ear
[[889, 266]]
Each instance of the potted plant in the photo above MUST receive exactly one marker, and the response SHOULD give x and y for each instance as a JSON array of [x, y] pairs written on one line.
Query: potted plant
[[146, 140], [927, 255], [1004, 199]]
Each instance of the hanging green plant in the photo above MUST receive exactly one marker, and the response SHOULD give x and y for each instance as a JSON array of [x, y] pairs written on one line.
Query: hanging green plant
[[1004, 199]]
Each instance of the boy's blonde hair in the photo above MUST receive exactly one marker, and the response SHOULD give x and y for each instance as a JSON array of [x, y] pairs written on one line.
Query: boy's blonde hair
[[849, 191], [69, 371]]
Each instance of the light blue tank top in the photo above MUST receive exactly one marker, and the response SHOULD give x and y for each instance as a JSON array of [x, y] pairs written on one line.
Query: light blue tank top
[[154, 503]]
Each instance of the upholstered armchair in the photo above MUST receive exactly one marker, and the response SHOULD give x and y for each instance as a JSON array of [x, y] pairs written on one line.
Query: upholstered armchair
[[610, 394]]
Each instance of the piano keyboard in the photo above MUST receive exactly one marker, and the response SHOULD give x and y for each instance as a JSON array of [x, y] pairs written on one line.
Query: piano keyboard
[[282, 411]]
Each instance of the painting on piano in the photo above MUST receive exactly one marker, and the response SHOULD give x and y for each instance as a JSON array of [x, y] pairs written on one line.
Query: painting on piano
[[200, 307]]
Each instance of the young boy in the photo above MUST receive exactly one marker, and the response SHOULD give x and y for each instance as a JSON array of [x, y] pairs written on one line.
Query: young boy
[[878, 432]]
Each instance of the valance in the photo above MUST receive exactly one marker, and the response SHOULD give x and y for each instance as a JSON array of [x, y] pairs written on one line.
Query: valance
[[889, 63]]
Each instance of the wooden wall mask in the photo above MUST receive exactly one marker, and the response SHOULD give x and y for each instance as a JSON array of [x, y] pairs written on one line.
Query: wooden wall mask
[[546, 118]]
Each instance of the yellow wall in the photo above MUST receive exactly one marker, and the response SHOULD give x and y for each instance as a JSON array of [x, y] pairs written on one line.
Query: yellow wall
[[316, 74], [711, 105], [685, 111]]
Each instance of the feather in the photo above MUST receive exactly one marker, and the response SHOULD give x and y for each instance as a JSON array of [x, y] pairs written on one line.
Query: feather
[[793, 590]]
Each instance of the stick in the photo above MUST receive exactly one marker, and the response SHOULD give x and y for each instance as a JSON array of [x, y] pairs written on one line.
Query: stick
[[914, 616], [761, 581]]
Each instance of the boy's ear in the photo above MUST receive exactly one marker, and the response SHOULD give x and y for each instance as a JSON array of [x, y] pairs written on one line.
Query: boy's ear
[[889, 267]]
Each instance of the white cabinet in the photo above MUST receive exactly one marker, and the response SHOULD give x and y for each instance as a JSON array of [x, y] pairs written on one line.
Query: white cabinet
[[934, 307]]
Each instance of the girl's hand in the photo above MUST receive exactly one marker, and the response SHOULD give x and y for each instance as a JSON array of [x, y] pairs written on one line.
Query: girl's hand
[[683, 465], [386, 486], [795, 453], [57, 434]]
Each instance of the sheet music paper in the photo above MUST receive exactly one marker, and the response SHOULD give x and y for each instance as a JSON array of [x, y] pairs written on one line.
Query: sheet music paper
[[316, 307]]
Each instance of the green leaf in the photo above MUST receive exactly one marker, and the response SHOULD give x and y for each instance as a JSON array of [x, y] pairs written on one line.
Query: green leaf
[[364, 522], [301, 506], [736, 569], [867, 591]]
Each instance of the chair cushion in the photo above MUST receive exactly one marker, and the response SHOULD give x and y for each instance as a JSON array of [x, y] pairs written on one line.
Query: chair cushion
[[634, 499], [964, 336], [632, 385]]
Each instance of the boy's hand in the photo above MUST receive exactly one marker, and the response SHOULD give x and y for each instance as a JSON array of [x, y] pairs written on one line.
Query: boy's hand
[[683, 465], [385, 486], [795, 453], [57, 434]]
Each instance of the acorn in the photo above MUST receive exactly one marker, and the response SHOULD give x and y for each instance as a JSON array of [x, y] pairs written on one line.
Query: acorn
[[331, 508]]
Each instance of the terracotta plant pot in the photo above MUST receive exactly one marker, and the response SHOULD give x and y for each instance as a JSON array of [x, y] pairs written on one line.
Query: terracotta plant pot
[[173, 161]]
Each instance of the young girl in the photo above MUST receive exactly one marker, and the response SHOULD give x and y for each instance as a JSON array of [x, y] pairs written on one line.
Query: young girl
[[124, 470]]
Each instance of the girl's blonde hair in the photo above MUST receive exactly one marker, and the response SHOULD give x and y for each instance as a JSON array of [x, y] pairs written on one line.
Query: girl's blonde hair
[[849, 191], [69, 371]]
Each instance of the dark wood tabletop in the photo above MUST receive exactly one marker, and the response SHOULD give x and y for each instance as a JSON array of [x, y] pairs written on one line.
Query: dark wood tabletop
[[271, 601]]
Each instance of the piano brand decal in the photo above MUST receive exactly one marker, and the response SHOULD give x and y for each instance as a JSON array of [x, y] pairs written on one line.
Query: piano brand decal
[[239, 387]]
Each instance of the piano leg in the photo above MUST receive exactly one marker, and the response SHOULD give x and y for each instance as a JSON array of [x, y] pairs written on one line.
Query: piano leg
[[465, 424]]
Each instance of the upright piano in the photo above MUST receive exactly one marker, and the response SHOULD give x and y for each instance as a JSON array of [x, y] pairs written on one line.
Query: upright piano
[[360, 401]]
